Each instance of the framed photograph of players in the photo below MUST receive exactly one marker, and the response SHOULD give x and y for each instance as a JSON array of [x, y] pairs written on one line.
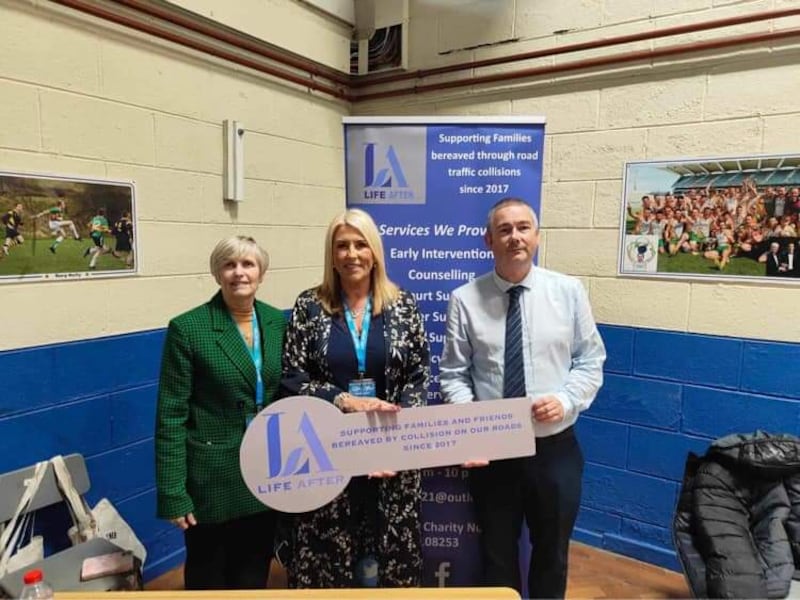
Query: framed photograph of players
[[712, 218], [58, 228]]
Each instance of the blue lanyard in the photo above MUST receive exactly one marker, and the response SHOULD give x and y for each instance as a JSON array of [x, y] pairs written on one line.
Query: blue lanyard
[[360, 342], [255, 354]]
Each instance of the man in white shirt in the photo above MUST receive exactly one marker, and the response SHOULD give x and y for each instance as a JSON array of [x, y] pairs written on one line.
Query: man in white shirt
[[561, 358]]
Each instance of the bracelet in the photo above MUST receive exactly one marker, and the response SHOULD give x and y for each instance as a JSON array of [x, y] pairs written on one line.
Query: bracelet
[[339, 400]]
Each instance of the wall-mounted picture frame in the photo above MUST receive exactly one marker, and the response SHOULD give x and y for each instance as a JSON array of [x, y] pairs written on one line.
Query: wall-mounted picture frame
[[60, 228], [732, 218]]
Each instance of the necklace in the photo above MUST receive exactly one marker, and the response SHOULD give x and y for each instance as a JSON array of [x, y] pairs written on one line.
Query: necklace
[[244, 322], [356, 313]]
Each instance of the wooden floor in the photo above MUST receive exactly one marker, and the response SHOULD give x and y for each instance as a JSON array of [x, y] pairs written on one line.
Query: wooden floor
[[596, 573], [593, 573]]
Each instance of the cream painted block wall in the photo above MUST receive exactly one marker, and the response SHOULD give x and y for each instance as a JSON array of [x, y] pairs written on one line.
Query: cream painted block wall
[[64, 56], [285, 23], [445, 32], [471, 23], [93, 100], [739, 101], [19, 119]]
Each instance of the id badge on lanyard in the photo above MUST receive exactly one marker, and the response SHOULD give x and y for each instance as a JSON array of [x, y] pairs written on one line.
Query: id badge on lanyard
[[363, 387], [255, 354]]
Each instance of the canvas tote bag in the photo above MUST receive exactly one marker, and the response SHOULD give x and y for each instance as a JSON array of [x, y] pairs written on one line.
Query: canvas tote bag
[[101, 521], [14, 556]]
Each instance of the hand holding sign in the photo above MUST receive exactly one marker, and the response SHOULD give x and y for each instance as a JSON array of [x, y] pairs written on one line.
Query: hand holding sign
[[299, 453]]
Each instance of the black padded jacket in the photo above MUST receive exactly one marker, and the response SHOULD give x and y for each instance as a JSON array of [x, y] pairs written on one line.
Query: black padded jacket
[[737, 524]]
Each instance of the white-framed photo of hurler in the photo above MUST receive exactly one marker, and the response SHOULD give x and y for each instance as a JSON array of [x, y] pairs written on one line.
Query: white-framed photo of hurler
[[58, 228]]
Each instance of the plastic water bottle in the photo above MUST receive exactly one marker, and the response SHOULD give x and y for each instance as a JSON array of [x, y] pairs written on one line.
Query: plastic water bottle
[[35, 588]]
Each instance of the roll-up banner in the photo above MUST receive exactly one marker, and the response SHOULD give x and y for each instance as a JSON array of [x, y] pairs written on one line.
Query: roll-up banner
[[429, 183]]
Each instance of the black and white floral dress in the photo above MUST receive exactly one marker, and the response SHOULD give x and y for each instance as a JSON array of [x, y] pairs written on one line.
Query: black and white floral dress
[[324, 545]]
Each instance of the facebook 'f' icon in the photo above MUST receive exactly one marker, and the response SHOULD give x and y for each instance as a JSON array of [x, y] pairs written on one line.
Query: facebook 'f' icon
[[442, 573]]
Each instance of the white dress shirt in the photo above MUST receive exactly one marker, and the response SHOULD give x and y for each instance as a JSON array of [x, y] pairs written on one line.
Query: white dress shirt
[[562, 349]]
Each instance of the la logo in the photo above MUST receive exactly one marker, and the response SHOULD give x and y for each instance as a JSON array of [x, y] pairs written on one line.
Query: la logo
[[383, 178], [298, 460]]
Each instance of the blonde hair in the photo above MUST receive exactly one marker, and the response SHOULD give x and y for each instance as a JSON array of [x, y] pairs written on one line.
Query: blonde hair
[[237, 246], [384, 292]]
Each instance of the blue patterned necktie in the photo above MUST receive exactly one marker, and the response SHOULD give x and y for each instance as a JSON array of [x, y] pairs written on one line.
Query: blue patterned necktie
[[514, 367]]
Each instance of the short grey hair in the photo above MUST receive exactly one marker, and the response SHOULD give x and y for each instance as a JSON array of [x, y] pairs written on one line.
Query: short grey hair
[[234, 247], [510, 201]]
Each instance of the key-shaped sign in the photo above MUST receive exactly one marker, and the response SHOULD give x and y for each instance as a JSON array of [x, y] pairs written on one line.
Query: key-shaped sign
[[299, 453]]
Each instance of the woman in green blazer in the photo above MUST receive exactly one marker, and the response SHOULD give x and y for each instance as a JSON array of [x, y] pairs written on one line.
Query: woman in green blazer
[[210, 388]]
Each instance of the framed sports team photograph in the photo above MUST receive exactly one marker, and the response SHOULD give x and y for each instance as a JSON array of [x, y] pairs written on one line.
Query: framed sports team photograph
[[65, 228], [712, 218]]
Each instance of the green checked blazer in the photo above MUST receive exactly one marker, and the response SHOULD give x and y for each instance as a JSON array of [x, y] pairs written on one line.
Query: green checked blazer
[[206, 391]]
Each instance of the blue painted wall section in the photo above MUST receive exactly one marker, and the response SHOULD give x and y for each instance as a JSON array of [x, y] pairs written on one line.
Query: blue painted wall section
[[666, 394], [96, 397]]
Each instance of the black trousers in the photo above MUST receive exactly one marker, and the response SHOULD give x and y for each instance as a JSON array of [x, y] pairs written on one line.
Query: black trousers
[[234, 555], [545, 490]]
